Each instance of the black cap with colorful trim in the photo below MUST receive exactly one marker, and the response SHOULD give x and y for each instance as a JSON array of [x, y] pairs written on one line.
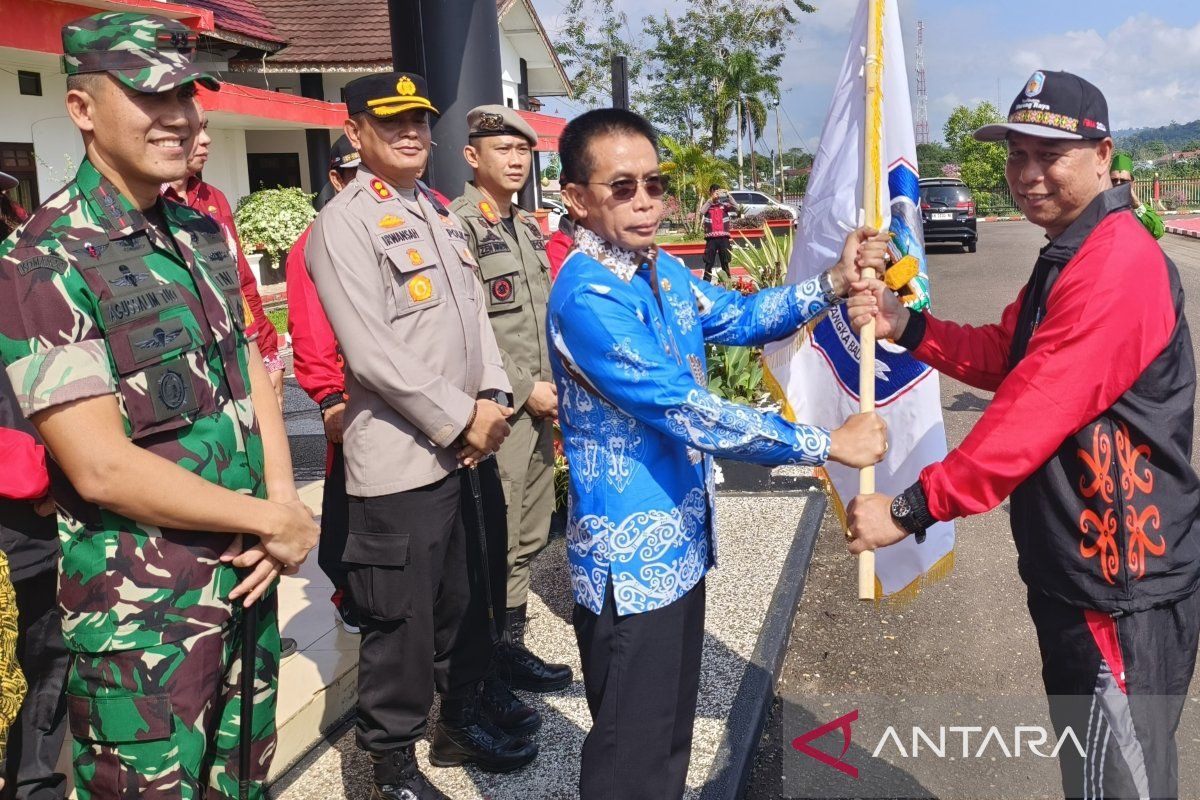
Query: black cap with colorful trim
[[387, 94], [1053, 105], [343, 155]]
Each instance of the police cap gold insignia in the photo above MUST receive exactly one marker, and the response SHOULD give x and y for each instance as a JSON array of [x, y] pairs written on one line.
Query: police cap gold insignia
[[387, 94]]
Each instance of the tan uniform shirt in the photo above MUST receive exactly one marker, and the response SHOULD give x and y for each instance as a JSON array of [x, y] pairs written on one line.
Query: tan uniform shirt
[[398, 284], [516, 284]]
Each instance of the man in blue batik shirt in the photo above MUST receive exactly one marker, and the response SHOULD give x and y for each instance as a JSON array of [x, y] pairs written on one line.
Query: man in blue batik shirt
[[627, 326]]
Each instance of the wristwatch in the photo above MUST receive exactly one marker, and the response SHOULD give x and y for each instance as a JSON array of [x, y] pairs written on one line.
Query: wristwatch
[[911, 511], [331, 400], [825, 281]]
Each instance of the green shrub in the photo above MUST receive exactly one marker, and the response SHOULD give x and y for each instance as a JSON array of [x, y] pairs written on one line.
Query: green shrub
[[271, 220]]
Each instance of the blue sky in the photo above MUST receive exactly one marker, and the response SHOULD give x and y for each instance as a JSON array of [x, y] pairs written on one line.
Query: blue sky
[[1145, 56]]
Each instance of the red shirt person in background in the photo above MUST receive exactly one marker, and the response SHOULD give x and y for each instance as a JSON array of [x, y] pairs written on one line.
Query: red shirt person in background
[[207, 199]]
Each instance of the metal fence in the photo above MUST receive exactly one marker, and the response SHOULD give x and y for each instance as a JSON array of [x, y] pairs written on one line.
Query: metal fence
[[1172, 194]]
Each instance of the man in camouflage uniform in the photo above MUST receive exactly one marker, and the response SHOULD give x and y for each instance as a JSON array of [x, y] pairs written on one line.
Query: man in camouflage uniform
[[514, 271], [123, 331]]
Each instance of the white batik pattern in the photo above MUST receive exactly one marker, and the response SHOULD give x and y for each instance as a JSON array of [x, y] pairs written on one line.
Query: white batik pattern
[[713, 424], [623, 263], [666, 549], [685, 312], [629, 360], [605, 443]]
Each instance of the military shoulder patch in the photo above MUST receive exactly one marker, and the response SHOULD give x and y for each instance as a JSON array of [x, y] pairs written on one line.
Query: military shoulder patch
[[47, 262]]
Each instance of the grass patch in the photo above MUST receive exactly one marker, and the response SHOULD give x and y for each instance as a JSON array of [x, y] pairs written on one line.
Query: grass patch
[[279, 318]]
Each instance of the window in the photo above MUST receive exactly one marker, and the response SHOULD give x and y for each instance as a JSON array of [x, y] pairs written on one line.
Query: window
[[17, 159], [29, 82]]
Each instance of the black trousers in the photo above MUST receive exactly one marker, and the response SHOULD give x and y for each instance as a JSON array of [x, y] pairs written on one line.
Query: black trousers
[[715, 246], [36, 737], [641, 673], [335, 519], [1120, 684], [414, 573]]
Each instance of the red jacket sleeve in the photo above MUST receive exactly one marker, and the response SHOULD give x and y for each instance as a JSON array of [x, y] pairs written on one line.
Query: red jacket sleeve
[[976, 356], [1108, 317], [557, 247], [315, 356], [24, 476]]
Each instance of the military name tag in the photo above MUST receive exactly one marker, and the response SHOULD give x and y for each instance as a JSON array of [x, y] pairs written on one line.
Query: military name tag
[[491, 244], [170, 388], [152, 341], [127, 308]]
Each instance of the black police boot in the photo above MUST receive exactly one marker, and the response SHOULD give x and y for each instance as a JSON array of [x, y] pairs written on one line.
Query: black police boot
[[464, 735], [508, 711], [520, 668], [398, 778]]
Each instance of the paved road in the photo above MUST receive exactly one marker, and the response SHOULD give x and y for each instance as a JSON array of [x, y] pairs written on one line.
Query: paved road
[[965, 647]]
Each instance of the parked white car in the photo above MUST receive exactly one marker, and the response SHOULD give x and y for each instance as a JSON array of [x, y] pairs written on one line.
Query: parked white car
[[754, 202], [556, 209]]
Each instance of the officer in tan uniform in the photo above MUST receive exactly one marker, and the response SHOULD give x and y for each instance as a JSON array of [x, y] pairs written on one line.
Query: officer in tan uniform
[[423, 374], [515, 275]]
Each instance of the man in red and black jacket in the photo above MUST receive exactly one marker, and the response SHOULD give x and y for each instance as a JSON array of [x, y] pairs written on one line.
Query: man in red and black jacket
[[717, 214], [1090, 433], [208, 199]]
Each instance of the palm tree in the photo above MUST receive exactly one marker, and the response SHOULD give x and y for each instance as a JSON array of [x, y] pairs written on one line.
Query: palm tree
[[692, 171], [741, 83]]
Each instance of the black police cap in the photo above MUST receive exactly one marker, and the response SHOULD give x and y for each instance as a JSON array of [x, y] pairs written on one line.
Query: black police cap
[[387, 94]]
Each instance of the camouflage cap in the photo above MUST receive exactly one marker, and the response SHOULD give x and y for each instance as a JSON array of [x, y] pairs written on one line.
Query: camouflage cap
[[146, 53]]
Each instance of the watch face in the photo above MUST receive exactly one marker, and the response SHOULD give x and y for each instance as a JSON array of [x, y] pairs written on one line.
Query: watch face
[[900, 507]]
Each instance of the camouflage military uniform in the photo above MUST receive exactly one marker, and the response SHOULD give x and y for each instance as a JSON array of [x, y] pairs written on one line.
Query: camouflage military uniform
[[95, 300]]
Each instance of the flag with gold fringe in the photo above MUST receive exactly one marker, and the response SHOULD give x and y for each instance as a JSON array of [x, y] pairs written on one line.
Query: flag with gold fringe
[[816, 372]]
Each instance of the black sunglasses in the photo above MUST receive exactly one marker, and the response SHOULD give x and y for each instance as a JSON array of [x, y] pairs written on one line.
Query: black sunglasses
[[625, 188]]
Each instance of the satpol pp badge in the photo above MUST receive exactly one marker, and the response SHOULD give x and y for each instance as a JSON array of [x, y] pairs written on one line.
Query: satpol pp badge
[[420, 289]]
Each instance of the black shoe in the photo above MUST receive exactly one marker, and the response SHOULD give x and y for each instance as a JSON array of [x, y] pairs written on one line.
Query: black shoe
[[348, 618], [465, 736], [520, 668], [398, 778], [287, 646], [509, 712]]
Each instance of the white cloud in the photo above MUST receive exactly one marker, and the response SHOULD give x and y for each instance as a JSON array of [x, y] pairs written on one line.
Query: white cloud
[[1144, 66]]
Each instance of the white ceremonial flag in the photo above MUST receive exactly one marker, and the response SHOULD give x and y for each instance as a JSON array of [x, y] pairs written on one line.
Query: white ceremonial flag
[[816, 371]]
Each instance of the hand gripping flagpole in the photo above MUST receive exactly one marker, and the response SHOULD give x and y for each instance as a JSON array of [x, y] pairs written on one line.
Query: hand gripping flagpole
[[872, 184]]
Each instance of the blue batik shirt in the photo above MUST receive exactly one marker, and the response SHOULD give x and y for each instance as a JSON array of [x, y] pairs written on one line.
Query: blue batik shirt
[[640, 427]]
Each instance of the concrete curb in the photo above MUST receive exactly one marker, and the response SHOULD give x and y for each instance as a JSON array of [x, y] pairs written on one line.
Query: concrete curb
[[1183, 232], [752, 704]]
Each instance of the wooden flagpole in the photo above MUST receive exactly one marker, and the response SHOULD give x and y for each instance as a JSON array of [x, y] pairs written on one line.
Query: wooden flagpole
[[872, 183]]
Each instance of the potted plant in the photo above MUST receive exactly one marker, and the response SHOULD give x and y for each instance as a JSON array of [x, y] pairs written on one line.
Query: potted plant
[[269, 222]]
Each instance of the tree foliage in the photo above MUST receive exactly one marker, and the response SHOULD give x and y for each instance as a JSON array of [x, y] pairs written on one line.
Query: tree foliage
[[982, 163], [693, 170], [593, 31], [687, 67]]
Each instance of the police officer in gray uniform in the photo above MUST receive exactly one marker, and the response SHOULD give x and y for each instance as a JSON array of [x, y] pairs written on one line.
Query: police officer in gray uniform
[[423, 373], [515, 275]]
